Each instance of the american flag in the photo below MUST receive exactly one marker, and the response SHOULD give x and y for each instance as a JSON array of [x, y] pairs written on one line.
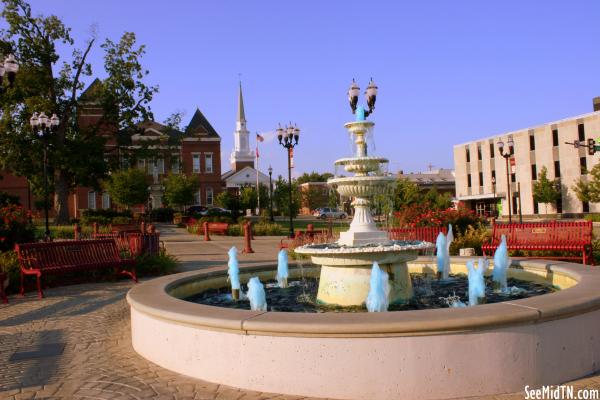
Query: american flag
[[258, 139]]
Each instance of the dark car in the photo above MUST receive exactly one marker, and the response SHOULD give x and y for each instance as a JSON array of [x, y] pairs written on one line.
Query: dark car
[[196, 210]]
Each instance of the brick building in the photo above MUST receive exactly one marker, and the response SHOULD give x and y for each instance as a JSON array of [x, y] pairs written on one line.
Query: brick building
[[195, 151]]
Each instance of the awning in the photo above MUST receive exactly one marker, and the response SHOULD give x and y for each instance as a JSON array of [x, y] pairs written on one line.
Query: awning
[[481, 196]]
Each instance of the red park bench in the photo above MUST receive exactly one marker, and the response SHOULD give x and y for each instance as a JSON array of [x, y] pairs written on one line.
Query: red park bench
[[426, 233], [55, 258], [566, 236], [218, 227], [2, 293]]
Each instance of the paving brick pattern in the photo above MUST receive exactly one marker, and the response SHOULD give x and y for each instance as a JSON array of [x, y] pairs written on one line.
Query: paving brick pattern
[[76, 344]]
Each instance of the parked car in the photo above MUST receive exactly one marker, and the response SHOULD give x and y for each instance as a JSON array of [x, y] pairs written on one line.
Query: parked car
[[218, 211], [202, 210], [327, 212]]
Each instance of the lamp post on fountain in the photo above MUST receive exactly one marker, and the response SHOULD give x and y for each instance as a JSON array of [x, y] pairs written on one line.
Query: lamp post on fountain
[[271, 194], [43, 127], [288, 138], [507, 154], [10, 69]]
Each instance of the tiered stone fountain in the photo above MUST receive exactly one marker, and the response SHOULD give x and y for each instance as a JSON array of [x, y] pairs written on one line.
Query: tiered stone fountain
[[346, 265]]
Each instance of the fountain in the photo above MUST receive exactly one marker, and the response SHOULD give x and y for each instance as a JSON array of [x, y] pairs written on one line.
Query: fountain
[[477, 281], [377, 299], [234, 272], [346, 265], [501, 264], [442, 244], [256, 295], [282, 268]]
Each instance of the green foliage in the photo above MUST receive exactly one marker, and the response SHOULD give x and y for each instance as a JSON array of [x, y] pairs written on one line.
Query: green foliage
[[7, 199], [180, 189], [473, 236], [228, 201], [266, 229], [406, 193], [315, 197], [437, 200], [592, 217], [104, 216], [313, 177], [281, 197], [14, 227], [248, 198], [128, 188], [544, 190], [589, 190], [9, 264], [152, 265]]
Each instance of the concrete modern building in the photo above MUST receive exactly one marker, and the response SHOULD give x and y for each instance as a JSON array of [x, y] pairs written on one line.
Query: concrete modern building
[[478, 164]]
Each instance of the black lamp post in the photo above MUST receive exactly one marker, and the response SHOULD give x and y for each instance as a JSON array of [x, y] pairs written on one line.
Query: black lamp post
[[507, 155], [271, 194], [10, 69], [288, 138], [44, 127]]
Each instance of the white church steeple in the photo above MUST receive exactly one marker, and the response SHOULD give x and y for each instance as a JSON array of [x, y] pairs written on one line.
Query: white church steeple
[[241, 155]]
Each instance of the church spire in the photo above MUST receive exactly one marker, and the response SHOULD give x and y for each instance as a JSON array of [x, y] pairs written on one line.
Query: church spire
[[241, 116]]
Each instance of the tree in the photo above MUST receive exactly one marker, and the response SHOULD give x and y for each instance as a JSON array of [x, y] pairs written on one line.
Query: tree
[[437, 200], [45, 85], [405, 193], [180, 189], [313, 177], [228, 201], [589, 191], [545, 190], [128, 187], [281, 197], [248, 198], [314, 197]]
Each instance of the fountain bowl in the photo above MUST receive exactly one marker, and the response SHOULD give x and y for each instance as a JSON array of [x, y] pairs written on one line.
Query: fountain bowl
[[431, 354]]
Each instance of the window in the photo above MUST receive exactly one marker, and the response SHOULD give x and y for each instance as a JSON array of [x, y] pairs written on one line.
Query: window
[[161, 166], [197, 198], [208, 163], [581, 132], [479, 153], [494, 176], [513, 178], [196, 163], [554, 137], [586, 206], [583, 165], [209, 196], [151, 166], [491, 150], [468, 155], [557, 169], [536, 208], [559, 205], [481, 179], [533, 172], [515, 203], [125, 163], [531, 142], [92, 200], [468, 180], [105, 200], [175, 163]]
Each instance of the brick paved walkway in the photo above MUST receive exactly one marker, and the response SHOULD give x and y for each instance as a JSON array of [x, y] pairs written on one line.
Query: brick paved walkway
[[76, 344]]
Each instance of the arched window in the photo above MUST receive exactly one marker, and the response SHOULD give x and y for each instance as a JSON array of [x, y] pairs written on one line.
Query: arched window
[[92, 200], [105, 200]]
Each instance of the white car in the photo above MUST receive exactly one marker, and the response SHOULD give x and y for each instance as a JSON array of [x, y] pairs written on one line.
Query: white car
[[327, 212]]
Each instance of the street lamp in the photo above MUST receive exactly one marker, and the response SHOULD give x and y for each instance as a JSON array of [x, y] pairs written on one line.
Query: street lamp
[[43, 127], [507, 154], [371, 94], [288, 138], [10, 69], [271, 194]]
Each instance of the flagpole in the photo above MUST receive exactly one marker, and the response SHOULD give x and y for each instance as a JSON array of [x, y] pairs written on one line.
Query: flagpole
[[257, 187]]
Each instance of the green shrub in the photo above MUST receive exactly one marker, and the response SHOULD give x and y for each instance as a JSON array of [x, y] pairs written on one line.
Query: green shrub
[[472, 237], [266, 229], [120, 221], [14, 227], [592, 217], [151, 265], [235, 230], [162, 214], [9, 263], [103, 216]]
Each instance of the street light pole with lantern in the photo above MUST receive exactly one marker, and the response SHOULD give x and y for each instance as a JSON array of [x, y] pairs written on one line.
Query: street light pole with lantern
[[507, 154], [43, 127], [271, 194], [288, 138], [10, 69]]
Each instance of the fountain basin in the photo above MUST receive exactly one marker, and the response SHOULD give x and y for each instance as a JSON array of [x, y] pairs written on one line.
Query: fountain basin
[[346, 270], [442, 353]]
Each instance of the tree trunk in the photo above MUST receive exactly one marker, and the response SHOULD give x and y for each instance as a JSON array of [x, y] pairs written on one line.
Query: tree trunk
[[61, 199]]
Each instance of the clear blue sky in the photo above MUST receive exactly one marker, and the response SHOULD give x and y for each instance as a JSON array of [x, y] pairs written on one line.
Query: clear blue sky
[[448, 71]]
